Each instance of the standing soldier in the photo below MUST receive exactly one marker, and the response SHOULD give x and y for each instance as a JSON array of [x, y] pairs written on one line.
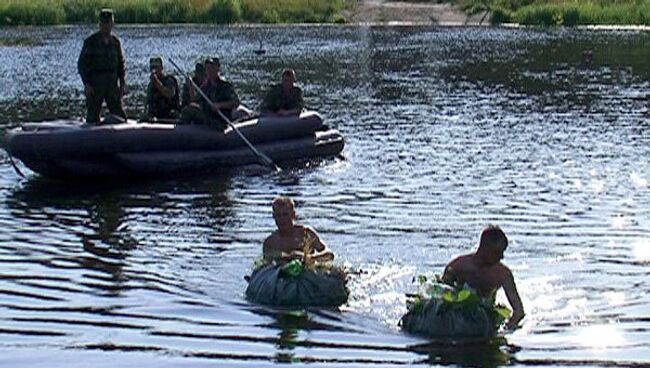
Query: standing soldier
[[101, 66], [162, 93]]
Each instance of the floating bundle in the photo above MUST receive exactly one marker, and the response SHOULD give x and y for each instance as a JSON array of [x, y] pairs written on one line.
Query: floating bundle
[[293, 285], [440, 310]]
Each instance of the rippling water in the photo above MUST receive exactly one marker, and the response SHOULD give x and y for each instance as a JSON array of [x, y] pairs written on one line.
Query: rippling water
[[447, 129]]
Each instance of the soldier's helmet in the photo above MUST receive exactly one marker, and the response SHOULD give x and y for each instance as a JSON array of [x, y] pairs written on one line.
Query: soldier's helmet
[[106, 15], [155, 62], [212, 60]]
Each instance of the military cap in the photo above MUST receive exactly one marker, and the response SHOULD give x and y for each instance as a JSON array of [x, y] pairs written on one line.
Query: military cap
[[155, 61], [212, 60], [106, 15]]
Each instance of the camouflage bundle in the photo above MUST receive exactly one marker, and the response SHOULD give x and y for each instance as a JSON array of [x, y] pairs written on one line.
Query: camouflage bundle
[[440, 310], [296, 285]]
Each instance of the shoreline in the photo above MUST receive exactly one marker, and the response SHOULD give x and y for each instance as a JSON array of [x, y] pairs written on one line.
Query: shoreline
[[597, 27]]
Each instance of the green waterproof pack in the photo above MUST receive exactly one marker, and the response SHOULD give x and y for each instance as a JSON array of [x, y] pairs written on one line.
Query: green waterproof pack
[[293, 268]]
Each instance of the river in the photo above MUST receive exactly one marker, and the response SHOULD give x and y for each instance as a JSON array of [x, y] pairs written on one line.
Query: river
[[447, 130]]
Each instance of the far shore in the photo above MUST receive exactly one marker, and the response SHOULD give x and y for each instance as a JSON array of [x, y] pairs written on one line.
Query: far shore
[[619, 15]]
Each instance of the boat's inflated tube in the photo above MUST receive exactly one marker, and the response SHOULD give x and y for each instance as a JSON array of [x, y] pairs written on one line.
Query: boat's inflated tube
[[90, 141], [72, 149]]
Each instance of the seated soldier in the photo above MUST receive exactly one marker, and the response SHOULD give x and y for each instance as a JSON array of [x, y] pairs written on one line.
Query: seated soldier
[[223, 100], [189, 93], [285, 98], [289, 240], [162, 93]]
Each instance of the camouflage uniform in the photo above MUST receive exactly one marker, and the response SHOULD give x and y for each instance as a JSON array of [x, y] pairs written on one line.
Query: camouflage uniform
[[277, 98], [101, 64], [158, 106], [198, 78], [185, 96], [219, 91]]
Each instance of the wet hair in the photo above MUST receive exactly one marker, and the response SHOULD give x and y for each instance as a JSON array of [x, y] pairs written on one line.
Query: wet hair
[[283, 201], [492, 235]]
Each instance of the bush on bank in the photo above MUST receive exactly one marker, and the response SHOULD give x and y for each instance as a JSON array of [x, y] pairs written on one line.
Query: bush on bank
[[563, 12], [51, 12]]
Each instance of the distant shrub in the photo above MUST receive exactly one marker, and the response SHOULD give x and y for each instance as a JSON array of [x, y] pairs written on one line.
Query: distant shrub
[[500, 16], [37, 12], [571, 17], [224, 11], [291, 11], [563, 12], [535, 15], [173, 11]]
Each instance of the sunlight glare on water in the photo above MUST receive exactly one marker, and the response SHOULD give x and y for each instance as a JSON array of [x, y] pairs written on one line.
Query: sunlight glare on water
[[600, 337], [641, 251]]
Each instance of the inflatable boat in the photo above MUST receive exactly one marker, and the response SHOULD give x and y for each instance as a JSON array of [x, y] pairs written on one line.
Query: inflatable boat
[[72, 149]]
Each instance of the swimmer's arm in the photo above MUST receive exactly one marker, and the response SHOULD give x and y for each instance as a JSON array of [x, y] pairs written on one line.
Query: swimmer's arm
[[268, 250], [322, 252], [515, 301], [449, 276]]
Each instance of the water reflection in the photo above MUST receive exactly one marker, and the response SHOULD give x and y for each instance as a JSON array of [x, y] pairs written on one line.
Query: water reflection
[[478, 353], [290, 324], [99, 225]]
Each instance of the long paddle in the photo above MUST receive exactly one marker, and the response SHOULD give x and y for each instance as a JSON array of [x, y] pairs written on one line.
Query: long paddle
[[262, 157]]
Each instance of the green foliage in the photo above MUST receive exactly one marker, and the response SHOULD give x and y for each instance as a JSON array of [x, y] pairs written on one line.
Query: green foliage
[[292, 11], [14, 13], [296, 267], [81, 11], [20, 41], [224, 12], [502, 313], [563, 12], [461, 298], [500, 16], [44, 12]]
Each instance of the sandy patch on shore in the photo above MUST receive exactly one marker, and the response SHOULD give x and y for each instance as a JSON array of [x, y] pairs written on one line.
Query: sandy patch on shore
[[398, 12]]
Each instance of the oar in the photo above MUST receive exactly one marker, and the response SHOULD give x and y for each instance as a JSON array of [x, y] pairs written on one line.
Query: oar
[[262, 157]]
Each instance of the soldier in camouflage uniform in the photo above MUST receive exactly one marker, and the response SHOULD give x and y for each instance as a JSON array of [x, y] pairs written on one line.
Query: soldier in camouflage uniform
[[101, 66], [162, 93], [285, 98], [222, 97], [189, 94]]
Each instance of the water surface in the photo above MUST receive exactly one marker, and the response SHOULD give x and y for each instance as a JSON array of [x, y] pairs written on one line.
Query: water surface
[[447, 129]]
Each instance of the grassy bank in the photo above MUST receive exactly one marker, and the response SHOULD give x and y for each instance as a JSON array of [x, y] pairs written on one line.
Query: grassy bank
[[563, 12], [51, 12]]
